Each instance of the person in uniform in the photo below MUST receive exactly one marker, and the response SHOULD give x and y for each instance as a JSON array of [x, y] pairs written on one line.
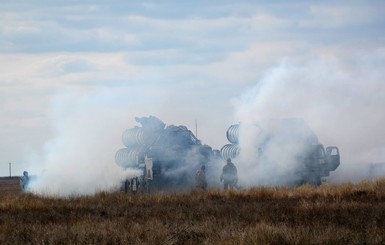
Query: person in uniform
[[24, 180], [229, 175], [200, 178]]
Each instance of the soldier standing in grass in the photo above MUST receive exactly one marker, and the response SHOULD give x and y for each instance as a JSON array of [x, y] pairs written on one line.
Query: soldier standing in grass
[[200, 178], [229, 175], [24, 180]]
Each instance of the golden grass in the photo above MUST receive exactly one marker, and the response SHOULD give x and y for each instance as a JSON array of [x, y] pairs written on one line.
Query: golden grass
[[341, 214]]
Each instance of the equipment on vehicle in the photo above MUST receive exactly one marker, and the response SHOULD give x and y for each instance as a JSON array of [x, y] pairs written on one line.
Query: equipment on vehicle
[[167, 156], [287, 147]]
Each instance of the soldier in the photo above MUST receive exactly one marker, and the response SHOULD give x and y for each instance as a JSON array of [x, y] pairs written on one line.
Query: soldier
[[200, 178], [134, 185], [229, 175], [24, 181]]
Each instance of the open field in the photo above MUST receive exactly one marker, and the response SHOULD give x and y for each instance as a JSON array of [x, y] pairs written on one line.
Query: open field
[[343, 214]]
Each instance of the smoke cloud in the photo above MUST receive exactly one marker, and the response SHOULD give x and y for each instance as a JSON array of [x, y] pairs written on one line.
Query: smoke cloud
[[341, 101], [78, 160]]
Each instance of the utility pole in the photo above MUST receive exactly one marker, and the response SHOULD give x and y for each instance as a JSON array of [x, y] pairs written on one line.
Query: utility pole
[[10, 169], [196, 128]]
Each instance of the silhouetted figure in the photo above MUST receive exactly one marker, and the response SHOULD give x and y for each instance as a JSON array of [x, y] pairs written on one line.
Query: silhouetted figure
[[24, 181], [200, 178], [229, 175], [134, 185]]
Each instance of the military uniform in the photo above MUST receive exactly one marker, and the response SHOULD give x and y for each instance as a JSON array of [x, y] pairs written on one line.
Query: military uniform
[[200, 178], [229, 175], [24, 181]]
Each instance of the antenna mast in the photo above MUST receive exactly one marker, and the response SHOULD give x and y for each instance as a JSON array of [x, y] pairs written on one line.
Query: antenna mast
[[196, 128]]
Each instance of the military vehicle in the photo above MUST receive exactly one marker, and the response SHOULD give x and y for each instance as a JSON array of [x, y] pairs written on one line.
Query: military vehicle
[[287, 147], [168, 157]]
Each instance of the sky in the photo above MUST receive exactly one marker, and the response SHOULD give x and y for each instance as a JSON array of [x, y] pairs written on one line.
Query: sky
[[75, 74]]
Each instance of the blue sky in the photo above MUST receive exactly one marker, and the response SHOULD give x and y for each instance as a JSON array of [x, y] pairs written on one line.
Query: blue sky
[[74, 74]]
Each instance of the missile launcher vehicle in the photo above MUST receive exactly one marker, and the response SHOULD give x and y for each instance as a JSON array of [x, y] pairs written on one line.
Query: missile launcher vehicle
[[168, 156], [287, 147]]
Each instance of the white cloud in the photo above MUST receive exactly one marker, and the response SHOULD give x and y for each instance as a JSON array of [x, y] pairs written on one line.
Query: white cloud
[[341, 16]]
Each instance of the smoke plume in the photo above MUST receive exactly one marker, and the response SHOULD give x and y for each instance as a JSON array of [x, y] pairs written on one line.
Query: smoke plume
[[341, 101], [78, 160]]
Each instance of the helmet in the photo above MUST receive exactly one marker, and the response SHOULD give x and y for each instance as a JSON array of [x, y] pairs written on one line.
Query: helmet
[[228, 160]]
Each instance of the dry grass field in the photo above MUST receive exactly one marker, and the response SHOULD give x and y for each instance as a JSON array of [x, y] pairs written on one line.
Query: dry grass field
[[342, 214]]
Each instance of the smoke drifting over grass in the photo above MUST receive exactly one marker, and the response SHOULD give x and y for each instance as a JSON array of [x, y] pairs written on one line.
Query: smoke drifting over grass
[[341, 100], [79, 158], [272, 152]]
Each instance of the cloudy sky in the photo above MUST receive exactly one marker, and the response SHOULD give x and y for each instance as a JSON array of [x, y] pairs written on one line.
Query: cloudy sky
[[75, 74]]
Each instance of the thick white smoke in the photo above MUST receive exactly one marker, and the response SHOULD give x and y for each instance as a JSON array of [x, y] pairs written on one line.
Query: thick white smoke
[[79, 159], [270, 151], [341, 100]]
